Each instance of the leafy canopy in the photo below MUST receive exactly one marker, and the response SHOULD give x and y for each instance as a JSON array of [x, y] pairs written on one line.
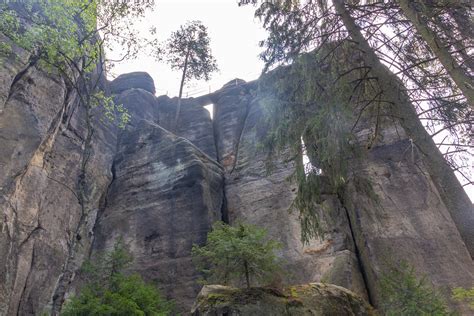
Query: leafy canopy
[[110, 292], [424, 43], [237, 253], [69, 37]]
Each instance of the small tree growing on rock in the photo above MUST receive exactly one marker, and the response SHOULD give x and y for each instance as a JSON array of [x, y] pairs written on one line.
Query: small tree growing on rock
[[241, 252], [109, 291], [188, 50], [402, 292]]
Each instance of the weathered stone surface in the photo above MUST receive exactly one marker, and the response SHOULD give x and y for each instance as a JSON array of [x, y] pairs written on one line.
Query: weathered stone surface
[[165, 195], [230, 112], [42, 133], [400, 216], [263, 199], [141, 106], [309, 299], [140, 80], [194, 122], [167, 189], [12, 67]]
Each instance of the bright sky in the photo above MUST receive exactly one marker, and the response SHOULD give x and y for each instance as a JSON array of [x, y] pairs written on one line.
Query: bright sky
[[234, 34]]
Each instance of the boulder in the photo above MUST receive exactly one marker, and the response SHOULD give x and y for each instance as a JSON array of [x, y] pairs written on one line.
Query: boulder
[[138, 80], [315, 299]]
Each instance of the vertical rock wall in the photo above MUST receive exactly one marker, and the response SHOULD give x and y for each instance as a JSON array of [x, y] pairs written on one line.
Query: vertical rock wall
[[42, 129], [254, 195], [159, 188], [164, 197]]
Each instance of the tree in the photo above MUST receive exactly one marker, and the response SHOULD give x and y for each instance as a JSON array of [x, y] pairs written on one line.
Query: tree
[[404, 293], [399, 63], [67, 39], [188, 50], [235, 253], [109, 291], [423, 13]]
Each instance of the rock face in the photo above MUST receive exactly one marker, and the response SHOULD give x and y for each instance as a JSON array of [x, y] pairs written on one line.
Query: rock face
[[159, 188], [165, 196], [310, 299], [42, 130], [254, 196]]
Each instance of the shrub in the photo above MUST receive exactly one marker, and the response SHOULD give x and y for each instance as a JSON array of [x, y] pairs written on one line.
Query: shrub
[[404, 293], [241, 252], [109, 291]]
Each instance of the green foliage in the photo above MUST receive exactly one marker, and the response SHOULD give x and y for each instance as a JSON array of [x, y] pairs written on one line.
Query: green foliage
[[110, 292], [308, 101], [240, 253], [188, 50], [111, 110], [461, 294], [404, 293], [69, 37]]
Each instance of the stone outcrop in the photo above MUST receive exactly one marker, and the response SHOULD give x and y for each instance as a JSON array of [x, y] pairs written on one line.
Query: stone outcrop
[[309, 299], [133, 80], [159, 188], [164, 197], [254, 196], [42, 132]]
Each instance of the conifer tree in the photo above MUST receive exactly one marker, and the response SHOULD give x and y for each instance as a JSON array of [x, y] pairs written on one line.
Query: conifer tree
[[237, 253], [109, 291], [188, 50]]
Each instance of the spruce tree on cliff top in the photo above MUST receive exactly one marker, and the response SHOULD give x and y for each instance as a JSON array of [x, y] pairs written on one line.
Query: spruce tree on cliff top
[[188, 50], [237, 253], [111, 292]]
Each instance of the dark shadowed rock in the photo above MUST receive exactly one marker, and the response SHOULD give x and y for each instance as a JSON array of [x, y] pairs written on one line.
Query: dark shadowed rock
[[141, 106], [141, 80], [315, 299], [165, 195], [194, 122]]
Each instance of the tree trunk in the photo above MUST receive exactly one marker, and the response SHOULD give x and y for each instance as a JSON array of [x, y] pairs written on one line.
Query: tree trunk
[[247, 276], [450, 190], [183, 79], [457, 74]]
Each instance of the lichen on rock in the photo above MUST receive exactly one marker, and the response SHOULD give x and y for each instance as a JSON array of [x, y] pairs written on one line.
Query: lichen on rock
[[308, 299]]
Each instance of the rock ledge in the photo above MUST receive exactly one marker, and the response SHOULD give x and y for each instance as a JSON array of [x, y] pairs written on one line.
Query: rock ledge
[[308, 299]]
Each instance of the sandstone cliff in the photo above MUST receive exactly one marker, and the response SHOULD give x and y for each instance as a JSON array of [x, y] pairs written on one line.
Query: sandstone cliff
[[160, 191]]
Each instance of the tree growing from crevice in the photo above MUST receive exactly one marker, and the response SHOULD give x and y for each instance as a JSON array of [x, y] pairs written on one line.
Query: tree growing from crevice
[[109, 291], [188, 50], [237, 253]]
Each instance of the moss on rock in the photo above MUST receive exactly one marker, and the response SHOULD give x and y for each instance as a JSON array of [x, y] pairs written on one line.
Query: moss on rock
[[309, 299]]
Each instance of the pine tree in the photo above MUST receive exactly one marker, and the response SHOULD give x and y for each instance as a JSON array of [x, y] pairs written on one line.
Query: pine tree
[[188, 50], [237, 253]]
